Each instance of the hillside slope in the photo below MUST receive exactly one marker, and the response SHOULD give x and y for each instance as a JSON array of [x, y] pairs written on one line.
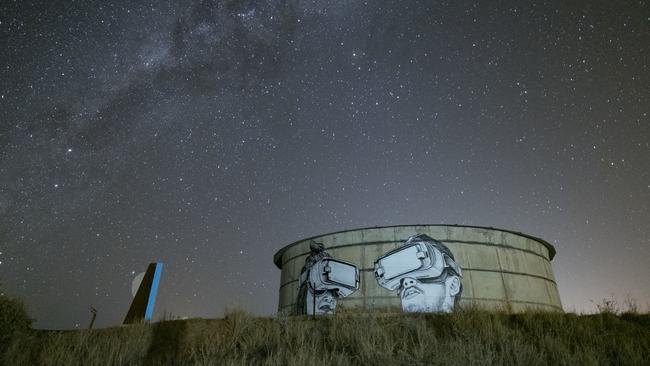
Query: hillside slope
[[464, 338]]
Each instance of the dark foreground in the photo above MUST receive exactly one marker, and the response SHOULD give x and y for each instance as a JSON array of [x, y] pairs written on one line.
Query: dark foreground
[[464, 338]]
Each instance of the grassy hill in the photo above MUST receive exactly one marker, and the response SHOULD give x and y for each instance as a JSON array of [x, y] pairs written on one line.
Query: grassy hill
[[469, 337]]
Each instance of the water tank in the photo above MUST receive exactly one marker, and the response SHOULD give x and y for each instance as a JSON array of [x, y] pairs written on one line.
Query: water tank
[[501, 269]]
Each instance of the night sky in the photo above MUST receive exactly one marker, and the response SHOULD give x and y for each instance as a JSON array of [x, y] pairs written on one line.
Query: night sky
[[208, 135]]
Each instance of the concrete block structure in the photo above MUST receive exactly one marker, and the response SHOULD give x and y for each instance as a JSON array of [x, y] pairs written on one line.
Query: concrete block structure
[[502, 269]]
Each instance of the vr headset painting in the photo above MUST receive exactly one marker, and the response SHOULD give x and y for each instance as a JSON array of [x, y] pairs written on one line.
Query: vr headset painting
[[424, 274], [325, 281]]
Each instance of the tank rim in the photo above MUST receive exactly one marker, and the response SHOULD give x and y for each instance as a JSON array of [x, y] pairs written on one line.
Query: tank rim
[[277, 257]]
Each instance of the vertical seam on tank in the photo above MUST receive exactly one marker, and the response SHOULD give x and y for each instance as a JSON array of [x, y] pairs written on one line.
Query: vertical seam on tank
[[361, 283], [503, 280]]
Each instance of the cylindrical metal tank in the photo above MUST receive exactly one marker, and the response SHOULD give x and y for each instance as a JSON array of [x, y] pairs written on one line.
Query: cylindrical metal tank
[[501, 269]]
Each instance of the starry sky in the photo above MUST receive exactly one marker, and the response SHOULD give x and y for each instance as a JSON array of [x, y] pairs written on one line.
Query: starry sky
[[209, 134]]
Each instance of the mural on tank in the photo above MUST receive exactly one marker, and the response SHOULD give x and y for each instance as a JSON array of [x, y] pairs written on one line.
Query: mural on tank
[[323, 280], [424, 274]]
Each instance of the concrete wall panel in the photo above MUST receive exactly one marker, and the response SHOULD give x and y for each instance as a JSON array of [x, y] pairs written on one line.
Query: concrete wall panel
[[487, 285], [481, 257], [348, 254]]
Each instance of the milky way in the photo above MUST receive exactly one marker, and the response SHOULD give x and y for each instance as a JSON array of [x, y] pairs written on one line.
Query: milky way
[[208, 135]]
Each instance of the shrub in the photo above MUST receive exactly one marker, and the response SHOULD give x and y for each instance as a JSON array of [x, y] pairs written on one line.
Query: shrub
[[13, 321]]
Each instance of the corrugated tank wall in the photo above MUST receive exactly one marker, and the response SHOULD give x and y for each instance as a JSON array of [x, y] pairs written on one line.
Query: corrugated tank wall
[[502, 269]]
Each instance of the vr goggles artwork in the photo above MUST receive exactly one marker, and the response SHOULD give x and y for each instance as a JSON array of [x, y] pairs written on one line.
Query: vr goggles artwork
[[332, 274], [421, 258]]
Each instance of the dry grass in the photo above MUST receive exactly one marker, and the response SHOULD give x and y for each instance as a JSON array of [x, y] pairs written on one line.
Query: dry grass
[[470, 337]]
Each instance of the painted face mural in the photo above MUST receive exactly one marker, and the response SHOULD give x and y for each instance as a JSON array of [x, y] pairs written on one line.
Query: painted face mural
[[424, 274], [323, 280]]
